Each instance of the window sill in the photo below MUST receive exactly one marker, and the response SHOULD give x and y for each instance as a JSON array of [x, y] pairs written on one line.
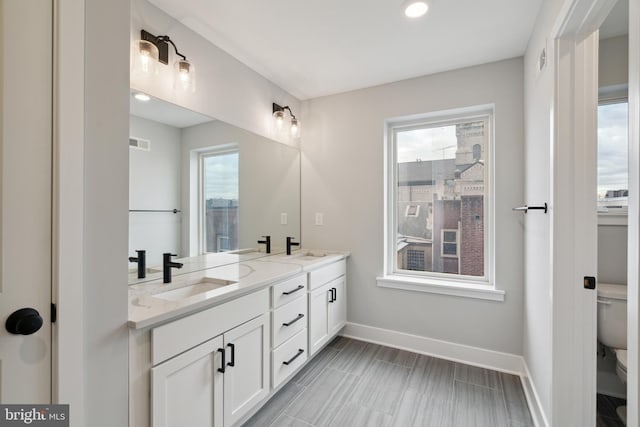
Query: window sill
[[442, 287], [612, 219]]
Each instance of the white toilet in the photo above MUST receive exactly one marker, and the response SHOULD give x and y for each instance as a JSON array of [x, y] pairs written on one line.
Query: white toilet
[[612, 328]]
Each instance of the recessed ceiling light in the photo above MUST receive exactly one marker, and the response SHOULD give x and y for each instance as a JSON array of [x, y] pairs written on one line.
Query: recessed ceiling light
[[142, 97], [415, 8]]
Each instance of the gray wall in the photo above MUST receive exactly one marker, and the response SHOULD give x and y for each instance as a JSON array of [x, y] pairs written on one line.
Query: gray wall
[[613, 61], [105, 213], [343, 177], [154, 184]]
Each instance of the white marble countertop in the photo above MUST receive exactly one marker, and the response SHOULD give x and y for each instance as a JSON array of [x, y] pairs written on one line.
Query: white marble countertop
[[153, 302], [201, 262]]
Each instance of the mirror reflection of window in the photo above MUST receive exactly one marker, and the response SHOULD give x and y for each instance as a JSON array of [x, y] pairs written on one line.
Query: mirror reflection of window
[[613, 172], [220, 200]]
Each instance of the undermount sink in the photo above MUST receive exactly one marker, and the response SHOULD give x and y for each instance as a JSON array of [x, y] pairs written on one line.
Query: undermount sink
[[246, 251], [149, 270], [308, 255], [204, 285]]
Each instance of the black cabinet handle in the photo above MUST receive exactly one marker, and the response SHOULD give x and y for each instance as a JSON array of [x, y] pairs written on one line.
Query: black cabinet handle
[[233, 355], [335, 294], [221, 350], [294, 290], [333, 298], [287, 362], [300, 316]]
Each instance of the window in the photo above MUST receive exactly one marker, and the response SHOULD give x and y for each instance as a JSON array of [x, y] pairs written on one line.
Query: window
[[438, 200], [220, 195], [613, 193], [412, 210], [449, 243], [415, 260]]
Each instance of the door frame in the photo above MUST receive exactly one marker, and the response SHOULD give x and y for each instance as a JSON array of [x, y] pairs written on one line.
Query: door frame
[[68, 205], [633, 227], [574, 210]]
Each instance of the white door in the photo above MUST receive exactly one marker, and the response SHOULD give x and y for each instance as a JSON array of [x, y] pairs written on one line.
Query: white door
[[25, 197], [337, 306], [319, 317], [246, 377], [187, 390]]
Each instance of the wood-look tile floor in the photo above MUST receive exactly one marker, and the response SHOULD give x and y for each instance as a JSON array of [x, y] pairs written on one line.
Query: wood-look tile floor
[[606, 411], [354, 383]]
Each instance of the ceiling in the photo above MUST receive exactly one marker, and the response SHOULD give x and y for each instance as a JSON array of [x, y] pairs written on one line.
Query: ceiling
[[316, 48], [165, 112], [617, 23]]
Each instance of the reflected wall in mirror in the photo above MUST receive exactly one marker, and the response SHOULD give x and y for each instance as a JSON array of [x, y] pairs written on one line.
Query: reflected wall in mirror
[[227, 187]]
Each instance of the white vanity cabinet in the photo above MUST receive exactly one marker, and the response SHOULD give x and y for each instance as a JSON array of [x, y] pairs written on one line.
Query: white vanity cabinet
[[327, 304], [187, 390], [246, 376], [206, 369], [288, 328]]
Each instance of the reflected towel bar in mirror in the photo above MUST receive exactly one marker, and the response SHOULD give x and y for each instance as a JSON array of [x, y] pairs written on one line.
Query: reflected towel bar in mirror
[[175, 211]]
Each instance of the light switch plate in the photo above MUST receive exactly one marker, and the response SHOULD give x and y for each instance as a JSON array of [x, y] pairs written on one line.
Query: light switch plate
[[283, 218], [319, 218]]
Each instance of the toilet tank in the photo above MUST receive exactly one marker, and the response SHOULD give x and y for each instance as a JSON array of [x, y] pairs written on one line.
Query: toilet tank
[[612, 315]]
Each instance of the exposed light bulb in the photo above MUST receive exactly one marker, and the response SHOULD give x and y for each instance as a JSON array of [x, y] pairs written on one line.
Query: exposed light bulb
[[415, 8], [185, 76], [279, 116], [147, 57], [295, 127]]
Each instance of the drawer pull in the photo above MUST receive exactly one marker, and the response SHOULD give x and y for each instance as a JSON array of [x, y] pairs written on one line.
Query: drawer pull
[[221, 350], [233, 355], [294, 290], [287, 362], [300, 316]]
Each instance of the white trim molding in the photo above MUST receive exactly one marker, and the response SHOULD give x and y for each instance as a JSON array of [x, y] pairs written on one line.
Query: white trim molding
[[475, 356], [533, 399], [443, 287]]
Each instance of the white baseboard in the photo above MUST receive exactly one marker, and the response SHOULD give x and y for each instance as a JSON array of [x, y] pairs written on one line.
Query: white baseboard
[[533, 399], [475, 356], [495, 360]]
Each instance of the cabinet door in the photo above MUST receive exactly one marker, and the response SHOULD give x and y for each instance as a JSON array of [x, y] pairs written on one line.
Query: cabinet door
[[187, 390], [246, 379], [318, 317], [337, 306]]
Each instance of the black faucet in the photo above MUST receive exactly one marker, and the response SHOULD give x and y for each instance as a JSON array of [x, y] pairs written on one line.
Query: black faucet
[[266, 241], [290, 243], [167, 265], [141, 259]]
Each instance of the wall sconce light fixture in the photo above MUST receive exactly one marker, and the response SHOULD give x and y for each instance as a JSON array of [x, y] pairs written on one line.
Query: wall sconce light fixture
[[150, 50], [279, 115]]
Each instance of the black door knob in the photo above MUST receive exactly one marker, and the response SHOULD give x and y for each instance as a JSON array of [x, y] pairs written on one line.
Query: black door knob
[[25, 321]]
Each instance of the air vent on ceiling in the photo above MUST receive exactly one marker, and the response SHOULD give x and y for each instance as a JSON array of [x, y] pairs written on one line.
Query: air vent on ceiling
[[139, 143]]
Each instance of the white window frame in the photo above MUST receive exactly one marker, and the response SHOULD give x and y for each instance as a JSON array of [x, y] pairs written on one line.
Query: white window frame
[[433, 282], [442, 242], [202, 155], [616, 94]]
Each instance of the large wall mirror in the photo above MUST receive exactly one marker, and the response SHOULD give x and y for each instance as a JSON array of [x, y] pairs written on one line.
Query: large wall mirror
[[205, 190]]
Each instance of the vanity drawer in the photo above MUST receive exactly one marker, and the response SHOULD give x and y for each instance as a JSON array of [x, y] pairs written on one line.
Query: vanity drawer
[[180, 335], [326, 274], [289, 319], [289, 357], [289, 290]]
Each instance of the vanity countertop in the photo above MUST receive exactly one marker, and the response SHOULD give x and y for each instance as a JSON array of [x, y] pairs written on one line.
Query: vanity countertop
[[154, 302]]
